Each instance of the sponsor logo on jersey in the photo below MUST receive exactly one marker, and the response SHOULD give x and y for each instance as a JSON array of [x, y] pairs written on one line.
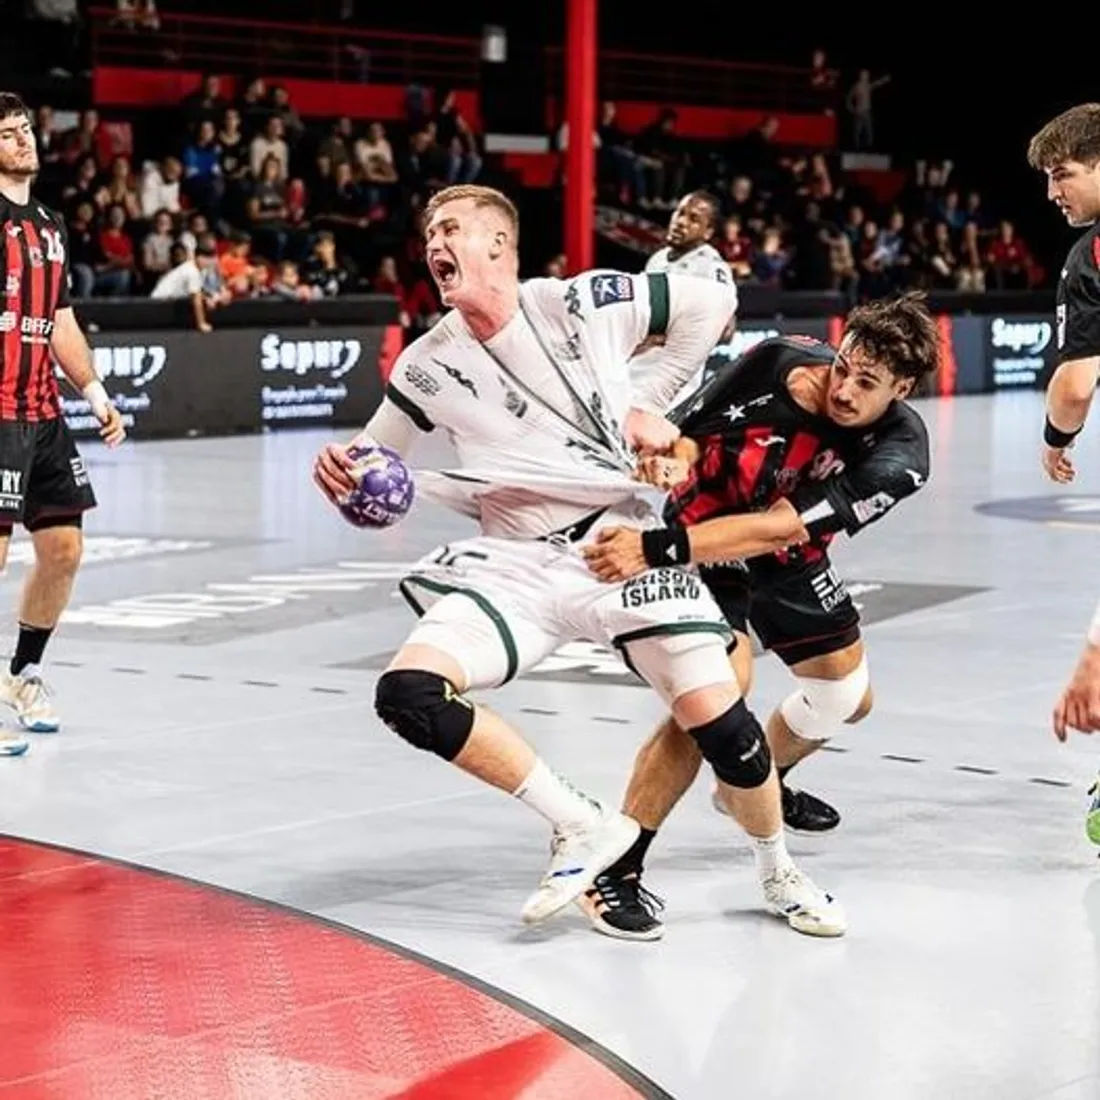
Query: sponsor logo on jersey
[[609, 289]]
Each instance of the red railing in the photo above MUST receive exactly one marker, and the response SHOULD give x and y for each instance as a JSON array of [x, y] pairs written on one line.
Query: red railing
[[227, 45]]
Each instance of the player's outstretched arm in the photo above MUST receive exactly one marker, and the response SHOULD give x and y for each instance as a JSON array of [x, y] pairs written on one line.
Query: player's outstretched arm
[[1068, 400], [623, 552], [74, 357]]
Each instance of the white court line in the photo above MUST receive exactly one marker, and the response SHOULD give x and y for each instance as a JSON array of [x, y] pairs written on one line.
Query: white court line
[[308, 823], [278, 716]]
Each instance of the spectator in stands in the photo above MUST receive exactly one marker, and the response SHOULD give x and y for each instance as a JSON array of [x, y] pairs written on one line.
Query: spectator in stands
[[853, 226], [951, 211], [293, 126], [205, 104], [288, 284], [254, 109], [233, 152], [869, 259], [215, 291], [1009, 260], [202, 171], [860, 104], [941, 258], [664, 159], [770, 262], [137, 14], [83, 140], [85, 257], [738, 203], [184, 280], [84, 187], [976, 212], [337, 146], [843, 276], [270, 144], [823, 82], [117, 249], [268, 213], [735, 245], [456, 138], [555, 267], [920, 251], [121, 189], [422, 169], [324, 270], [156, 249], [810, 259], [970, 276], [374, 159], [890, 252], [160, 186], [616, 161], [51, 167], [196, 227], [757, 156], [235, 264]]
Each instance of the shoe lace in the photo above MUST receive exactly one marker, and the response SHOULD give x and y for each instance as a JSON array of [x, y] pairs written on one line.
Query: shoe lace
[[626, 891]]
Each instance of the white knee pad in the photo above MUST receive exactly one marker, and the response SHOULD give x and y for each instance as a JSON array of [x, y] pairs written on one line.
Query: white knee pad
[[818, 708]]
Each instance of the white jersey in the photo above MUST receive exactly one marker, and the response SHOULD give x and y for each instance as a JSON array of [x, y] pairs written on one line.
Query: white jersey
[[704, 261], [535, 413]]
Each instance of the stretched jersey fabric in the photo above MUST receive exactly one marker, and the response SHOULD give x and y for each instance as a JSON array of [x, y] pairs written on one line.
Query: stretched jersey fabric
[[759, 445], [1078, 300], [36, 285], [535, 413]]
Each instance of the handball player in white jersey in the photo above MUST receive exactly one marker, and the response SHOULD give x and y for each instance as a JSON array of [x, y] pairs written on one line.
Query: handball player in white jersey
[[688, 251], [531, 385]]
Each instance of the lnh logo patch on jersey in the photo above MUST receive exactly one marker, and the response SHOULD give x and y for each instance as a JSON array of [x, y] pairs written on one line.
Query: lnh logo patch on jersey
[[608, 289]]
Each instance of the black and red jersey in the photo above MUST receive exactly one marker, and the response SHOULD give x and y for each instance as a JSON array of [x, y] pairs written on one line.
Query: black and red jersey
[[36, 284], [757, 444], [1078, 300]]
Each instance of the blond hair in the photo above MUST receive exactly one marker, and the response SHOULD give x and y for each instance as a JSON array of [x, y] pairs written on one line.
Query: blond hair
[[480, 196], [1073, 135]]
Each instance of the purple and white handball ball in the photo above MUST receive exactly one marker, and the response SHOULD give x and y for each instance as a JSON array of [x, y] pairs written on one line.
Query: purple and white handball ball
[[385, 489]]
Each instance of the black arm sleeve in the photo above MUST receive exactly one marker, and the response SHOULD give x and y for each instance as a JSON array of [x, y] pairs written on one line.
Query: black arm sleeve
[[896, 468], [1078, 304]]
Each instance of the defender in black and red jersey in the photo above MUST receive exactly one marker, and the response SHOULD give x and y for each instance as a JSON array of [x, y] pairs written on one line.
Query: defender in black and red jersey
[[781, 450], [43, 481]]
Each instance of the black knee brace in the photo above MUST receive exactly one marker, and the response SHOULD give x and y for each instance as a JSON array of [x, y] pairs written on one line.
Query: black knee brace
[[735, 747], [425, 710]]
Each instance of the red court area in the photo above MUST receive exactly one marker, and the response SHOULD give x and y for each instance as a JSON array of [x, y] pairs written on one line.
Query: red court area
[[118, 982]]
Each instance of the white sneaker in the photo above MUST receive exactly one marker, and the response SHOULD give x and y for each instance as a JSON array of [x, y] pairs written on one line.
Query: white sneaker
[[577, 856], [29, 697], [13, 745], [807, 908]]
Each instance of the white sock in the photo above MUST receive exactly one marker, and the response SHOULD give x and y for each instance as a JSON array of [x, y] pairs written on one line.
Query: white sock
[[771, 854], [556, 799]]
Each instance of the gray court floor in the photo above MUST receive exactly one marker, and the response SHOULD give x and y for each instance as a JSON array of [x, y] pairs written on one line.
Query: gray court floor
[[216, 673]]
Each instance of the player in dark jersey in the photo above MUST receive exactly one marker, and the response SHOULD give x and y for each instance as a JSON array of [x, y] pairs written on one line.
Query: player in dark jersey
[[44, 484], [781, 450], [1067, 149]]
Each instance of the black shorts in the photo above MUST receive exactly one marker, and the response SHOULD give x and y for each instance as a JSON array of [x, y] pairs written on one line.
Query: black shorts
[[797, 611], [42, 476]]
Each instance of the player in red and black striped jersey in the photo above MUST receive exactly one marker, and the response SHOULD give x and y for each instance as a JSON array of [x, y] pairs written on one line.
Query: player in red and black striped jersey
[[781, 450], [44, 484], [1067, 149]]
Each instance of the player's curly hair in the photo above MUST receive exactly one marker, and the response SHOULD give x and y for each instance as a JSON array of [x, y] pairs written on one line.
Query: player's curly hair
[[1073, 135], [899, 332], [11, 104]]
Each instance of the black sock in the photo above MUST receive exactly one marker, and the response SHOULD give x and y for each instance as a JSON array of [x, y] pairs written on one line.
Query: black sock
[[30, 647], [630, 862]]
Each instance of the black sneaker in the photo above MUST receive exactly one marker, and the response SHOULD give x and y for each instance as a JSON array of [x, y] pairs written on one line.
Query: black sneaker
[[620, 906], [805, 813]]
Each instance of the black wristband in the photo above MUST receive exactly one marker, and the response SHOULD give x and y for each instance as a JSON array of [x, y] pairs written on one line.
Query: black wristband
[[666, 546], [1055, 437]]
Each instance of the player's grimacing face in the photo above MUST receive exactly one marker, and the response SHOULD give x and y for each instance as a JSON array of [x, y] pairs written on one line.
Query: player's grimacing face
[[1074, 188], [690, 224], [462, 241], [18, 152], [860, 390]]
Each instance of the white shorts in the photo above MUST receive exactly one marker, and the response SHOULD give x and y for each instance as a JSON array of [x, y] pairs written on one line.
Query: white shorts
[[498, 607]]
